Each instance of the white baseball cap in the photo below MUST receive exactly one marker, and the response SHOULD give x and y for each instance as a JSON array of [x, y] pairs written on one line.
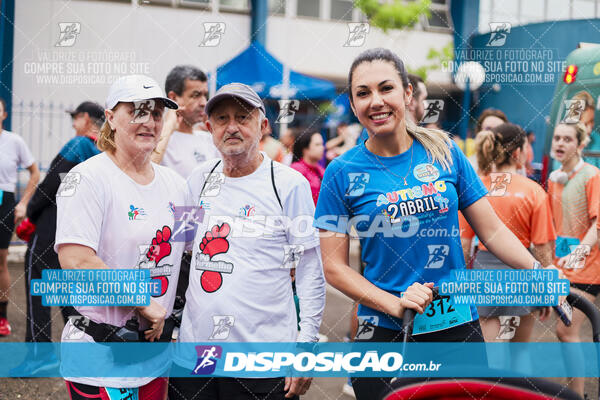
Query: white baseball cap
[[136, 88]]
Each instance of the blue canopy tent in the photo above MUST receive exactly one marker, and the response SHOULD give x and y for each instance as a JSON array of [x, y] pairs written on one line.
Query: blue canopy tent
[[257, 68]]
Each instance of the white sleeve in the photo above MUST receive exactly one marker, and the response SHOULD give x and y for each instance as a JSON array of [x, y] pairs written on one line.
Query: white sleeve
[[299, 207], [79, 216], [310, 288], [26, 159]]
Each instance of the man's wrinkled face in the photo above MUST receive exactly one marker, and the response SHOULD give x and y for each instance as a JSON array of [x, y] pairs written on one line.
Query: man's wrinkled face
[[236, 127]]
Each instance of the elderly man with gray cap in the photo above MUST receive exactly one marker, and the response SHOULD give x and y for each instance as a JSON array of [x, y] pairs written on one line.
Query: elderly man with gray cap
[[256, 228]]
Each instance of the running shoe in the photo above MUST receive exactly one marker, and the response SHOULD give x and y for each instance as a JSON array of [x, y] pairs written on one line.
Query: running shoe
[[4, 327]]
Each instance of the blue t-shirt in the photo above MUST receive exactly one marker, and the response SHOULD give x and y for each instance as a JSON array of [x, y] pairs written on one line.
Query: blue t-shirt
[[79, 149], [409, 233]]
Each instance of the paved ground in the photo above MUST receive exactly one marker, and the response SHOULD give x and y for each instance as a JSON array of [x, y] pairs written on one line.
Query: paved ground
[[335, 326]]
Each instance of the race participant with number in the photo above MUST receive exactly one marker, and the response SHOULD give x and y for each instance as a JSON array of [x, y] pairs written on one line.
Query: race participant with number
[[574, 191], [405, 184], [524, 207], [14, 154], [120, 214]]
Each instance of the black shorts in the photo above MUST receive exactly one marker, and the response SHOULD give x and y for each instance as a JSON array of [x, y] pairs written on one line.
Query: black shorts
[[227, 389], [590, 288], [7, 219], [373, 388]]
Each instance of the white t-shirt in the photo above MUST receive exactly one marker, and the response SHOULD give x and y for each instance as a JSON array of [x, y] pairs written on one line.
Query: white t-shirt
[[245, 235], [119, 218], [14, 154], [186, 151]]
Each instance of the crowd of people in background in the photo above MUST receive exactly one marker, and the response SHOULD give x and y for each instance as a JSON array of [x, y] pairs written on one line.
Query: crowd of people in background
[[127, 160]]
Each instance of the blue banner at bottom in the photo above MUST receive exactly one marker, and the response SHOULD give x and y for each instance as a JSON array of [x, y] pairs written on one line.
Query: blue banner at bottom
[[259, 360]]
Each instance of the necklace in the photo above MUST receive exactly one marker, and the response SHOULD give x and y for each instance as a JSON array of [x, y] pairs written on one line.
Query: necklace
[[392, 172]]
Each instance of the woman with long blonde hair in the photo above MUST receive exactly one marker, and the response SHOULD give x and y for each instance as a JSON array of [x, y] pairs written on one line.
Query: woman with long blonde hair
[[401, 190]]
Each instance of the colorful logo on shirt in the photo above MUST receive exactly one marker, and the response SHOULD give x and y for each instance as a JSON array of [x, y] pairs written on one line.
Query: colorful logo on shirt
[[222, 325], [499, 183], [204, 204], [154, 254], [420, 199], [357, 182], [426, 172], [213, 243], [207, 359], [247, 211], [172, 208], [437, 255], [136, 213]]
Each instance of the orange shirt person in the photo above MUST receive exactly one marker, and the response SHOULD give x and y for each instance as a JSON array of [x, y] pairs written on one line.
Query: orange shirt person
[[523, 206], [574, 191]]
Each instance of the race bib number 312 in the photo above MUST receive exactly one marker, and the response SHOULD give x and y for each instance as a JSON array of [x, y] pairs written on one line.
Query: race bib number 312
[[441, 314]]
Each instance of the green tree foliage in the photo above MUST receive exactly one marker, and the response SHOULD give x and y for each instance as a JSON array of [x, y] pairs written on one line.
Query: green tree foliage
[[393, 14], [437, 58], [401, 14]]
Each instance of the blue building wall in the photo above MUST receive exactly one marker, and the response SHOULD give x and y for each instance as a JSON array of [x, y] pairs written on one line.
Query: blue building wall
[[529, 104], [7, 33]]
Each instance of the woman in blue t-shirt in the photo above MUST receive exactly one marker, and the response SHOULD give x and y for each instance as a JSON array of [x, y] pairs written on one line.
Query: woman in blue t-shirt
[[401, 190]]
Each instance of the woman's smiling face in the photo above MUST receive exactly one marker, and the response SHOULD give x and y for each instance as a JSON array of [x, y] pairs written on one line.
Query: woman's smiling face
[[378, 97]]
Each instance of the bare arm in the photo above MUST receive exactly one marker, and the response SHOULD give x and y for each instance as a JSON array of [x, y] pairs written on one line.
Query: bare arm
[[73, 256], [336, 141], [583, 249], [466, 246], [171, 122], [591, 237], [543, 253], [496, 237], [21, 207], [335, 249]]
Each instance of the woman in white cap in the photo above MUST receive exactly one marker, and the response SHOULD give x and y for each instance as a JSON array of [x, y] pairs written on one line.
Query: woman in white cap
[[118, 212]]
